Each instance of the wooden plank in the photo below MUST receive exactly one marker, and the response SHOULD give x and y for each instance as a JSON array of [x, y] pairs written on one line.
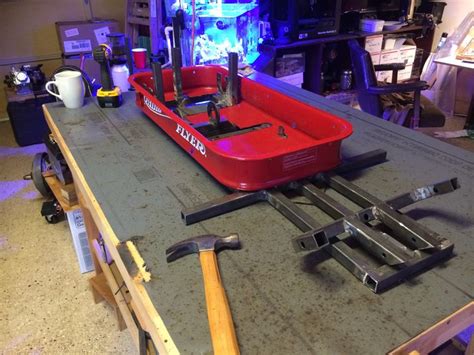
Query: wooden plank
[[56, 186], [100, 285], [120, 300], [153, 322], [470, 346], [439, 333], [138, 21]]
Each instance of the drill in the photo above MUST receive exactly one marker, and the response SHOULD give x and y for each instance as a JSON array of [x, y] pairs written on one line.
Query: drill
[[108, 95]]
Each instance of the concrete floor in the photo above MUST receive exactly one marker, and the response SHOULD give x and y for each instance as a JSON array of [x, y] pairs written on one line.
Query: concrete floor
[[455, 123], [46, 305]]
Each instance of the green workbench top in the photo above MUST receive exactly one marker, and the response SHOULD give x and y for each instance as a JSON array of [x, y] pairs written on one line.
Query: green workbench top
[[282, 302]]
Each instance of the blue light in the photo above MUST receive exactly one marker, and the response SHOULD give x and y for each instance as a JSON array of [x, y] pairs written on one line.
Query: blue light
[[220, 28]]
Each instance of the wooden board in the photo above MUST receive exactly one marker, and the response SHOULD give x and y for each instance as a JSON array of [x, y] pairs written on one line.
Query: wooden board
[[439, 333], [56, 186]]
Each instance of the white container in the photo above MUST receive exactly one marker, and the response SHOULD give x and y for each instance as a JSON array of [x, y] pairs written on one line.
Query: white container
[[371, 25], [120, 76]]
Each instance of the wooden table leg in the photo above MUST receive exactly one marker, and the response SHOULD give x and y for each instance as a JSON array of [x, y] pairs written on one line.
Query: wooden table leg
[[99, 286], [470, 115]]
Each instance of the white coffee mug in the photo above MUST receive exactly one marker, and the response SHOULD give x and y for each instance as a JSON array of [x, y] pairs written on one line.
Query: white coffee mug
[[70, 87]]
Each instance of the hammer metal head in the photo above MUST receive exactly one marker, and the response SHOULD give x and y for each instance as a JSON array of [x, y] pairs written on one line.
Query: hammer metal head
[[201, 243]]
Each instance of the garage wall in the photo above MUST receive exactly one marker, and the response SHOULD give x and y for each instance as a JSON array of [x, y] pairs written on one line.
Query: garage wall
[[453, 15], [28, 33]]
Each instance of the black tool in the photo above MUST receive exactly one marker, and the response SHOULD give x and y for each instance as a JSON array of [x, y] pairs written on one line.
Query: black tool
[[108, 95]]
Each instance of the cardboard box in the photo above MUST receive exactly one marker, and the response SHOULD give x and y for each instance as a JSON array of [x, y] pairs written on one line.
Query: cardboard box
[[91, 67], [384, 76], [375, 58], [373, 44], [405, 74], [82, 36], [408, 54], [388, 56], [293, 79], [289, 64], [79, 238], [393, 43]]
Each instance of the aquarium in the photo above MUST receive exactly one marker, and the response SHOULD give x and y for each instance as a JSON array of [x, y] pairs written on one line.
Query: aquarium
[[219, 28]]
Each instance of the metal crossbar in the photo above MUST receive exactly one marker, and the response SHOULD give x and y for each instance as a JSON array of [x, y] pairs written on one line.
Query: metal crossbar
[[378, 244]]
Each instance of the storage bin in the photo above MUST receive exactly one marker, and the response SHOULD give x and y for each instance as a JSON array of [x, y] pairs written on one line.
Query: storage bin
[[371, 25], [27, 119]]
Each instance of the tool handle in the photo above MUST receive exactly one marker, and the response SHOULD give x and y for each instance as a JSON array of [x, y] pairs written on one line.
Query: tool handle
[[224, 339], [106, 77], [101, 55]]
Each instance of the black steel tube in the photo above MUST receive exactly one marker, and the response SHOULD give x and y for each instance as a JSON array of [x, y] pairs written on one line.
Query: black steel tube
[[176, 32], [362, 161], [177, 77], [291, 211], [128, 52], [158, 80], [233, 83], [220, 206]]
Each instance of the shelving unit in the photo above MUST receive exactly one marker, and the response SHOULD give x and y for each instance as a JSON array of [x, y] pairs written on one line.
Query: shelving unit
[[314, 50], [145, 13]]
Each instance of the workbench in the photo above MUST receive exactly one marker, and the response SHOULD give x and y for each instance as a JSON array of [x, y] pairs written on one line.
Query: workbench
[[133, 181]]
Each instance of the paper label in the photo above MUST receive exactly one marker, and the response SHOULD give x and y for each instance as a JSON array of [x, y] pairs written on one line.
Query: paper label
[[81, 45], [78, 219], [101, 34], [71, 32]]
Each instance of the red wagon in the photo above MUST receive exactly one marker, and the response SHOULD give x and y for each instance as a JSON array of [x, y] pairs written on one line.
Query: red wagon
[[263, 140]]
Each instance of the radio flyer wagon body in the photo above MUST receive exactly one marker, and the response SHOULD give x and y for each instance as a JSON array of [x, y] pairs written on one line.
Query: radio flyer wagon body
[[246, 135]]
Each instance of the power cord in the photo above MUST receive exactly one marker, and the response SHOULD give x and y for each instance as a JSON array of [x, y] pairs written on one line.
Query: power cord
[[90, 91]]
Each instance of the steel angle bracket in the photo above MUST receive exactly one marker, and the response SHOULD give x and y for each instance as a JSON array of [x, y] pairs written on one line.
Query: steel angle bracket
[[400, 246]]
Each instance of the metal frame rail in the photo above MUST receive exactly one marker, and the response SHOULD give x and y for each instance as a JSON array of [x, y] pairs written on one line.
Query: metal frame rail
[[380, 245]]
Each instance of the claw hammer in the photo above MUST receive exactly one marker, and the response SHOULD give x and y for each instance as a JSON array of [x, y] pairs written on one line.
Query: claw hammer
[[224, 339]]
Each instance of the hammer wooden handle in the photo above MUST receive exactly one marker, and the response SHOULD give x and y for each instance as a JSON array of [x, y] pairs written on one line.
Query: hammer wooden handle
[[224, 340]]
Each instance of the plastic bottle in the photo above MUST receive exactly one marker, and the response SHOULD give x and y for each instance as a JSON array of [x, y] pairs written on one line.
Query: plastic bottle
[[442, 41], [120, 74]]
